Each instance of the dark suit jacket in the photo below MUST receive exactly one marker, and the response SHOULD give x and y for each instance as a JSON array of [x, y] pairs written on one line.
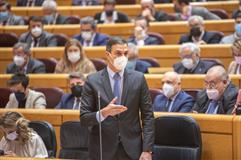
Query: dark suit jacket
[[66, 102], [205, 13], [208, 37], [15, 20], [150, 40], [99, 40], [183, 103], [201, 68], [24, 2], [136, 97], [34, 66], [46, 39], [226, 102], [59, 20], [122, 18], [142, 66]]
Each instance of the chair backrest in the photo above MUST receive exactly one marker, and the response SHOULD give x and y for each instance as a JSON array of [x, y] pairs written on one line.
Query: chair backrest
[[153, 61], [61, 39], [220, 12], [154, 92], [158, 36], [4, 96], [214, 60], [50, 64], [73, 20], [98, 63], [125, 1], [8, 39], [192, 92], [46, 131], [74, 140], [52, 95], [177, 138]]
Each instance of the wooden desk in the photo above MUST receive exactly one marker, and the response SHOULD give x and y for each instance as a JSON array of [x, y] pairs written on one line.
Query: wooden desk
[[219, 137]]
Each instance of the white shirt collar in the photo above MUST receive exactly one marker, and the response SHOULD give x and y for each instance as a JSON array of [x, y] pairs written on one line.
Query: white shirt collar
[[112, 73], [103, 17]]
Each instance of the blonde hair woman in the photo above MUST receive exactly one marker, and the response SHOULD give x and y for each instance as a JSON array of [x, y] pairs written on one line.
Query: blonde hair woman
[[20, 140], [74, 59], [235, 66]]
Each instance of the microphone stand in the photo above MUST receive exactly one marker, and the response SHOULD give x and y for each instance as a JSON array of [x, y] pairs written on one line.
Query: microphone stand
[[100, 130]]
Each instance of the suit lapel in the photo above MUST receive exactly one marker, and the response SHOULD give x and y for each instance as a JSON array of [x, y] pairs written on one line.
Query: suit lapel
[[106, 84], [126, 79]]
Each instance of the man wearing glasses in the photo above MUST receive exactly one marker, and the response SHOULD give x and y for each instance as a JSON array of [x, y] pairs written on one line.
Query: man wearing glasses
[[219, 95]]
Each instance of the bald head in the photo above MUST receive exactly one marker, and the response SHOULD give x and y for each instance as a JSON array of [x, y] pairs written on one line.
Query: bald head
[[172, 75], [219, 72], [171, 79]]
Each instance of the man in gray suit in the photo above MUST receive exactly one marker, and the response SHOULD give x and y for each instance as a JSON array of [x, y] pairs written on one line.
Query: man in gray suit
[[122, 94], [186, 10], [22, 61], [36, 36], [7, 17]]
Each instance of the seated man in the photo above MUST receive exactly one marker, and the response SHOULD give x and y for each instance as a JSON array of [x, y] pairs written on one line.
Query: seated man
[[191, 62], [236, 11], [22, 61], [229, 39], [185, 10], [148, 11], [89, 36], [85, 2], [7, 17], [29, 3], [219, 95], [133, 62], [173, 98], [36, 36], [22, 96], [197, 33], [72, 100], [141, 36], [51, 15], [110, 15]]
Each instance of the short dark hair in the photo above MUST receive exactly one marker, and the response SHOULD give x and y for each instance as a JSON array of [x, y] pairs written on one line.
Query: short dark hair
[[113, 41], [25, 47], [6, 4], [35, 19], [109, 2], [237, 14], [89, 20], [183, 1], [139, 18], [77, 75], [19, 78]]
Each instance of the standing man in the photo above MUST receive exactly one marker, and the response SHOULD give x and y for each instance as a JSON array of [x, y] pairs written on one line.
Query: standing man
[[123, 94]]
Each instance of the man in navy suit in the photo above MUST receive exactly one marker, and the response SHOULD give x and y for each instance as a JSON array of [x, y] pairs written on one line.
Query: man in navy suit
[[173, 98], [72, 100], [89, 36], [197, 33], [191, 62]]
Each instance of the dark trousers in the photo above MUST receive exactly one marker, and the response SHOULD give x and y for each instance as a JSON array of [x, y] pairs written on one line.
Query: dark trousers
[[121, 153]]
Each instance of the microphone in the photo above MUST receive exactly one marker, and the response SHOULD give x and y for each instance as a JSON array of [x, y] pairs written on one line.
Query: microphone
[[238, 103], [100, 130]]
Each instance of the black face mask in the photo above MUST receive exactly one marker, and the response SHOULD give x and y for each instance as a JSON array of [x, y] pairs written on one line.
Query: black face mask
[[109, 13], [196, 32], [20, 96], [76, 90]]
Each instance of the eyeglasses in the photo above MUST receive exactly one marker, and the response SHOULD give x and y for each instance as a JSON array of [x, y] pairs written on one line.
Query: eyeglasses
[[211, 84]]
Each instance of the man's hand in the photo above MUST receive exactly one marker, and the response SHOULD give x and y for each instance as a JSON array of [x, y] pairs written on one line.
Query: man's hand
[[202, 42], [112, 109], [147, 13], [9, 154], [145, 156]]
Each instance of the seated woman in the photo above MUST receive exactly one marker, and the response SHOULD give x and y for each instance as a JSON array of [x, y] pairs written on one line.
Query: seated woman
[[20, 140], [74, 59], [235, 66]]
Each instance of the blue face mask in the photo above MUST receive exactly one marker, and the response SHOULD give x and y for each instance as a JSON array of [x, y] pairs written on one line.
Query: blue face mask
[[238, 29], [3, 16]]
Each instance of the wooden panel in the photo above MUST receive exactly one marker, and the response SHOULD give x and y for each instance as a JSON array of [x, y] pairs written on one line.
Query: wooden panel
[[237, 137]]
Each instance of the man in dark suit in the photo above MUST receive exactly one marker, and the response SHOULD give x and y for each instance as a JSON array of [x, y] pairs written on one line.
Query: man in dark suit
[[7, 17], [72, 100], [22, 61], [219, 95], [173, 98], [51, 15], [110, 15], [122, 95], [141, 37], [89, 37], [191, 62], [36, 36], [29, 2], [197, 33]]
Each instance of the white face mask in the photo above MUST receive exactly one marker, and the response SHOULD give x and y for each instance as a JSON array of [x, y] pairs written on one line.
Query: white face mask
[[86, 36], [212, 94], [168, 90], [120, 62], [18, 60], [73, 57], [237, 59], [36, 32], [12, 136], [187, 63]]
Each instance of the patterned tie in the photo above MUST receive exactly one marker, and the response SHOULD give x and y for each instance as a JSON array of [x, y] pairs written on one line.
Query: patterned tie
[[77, 104], [116, 91], [212, 107], [168, 104]]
